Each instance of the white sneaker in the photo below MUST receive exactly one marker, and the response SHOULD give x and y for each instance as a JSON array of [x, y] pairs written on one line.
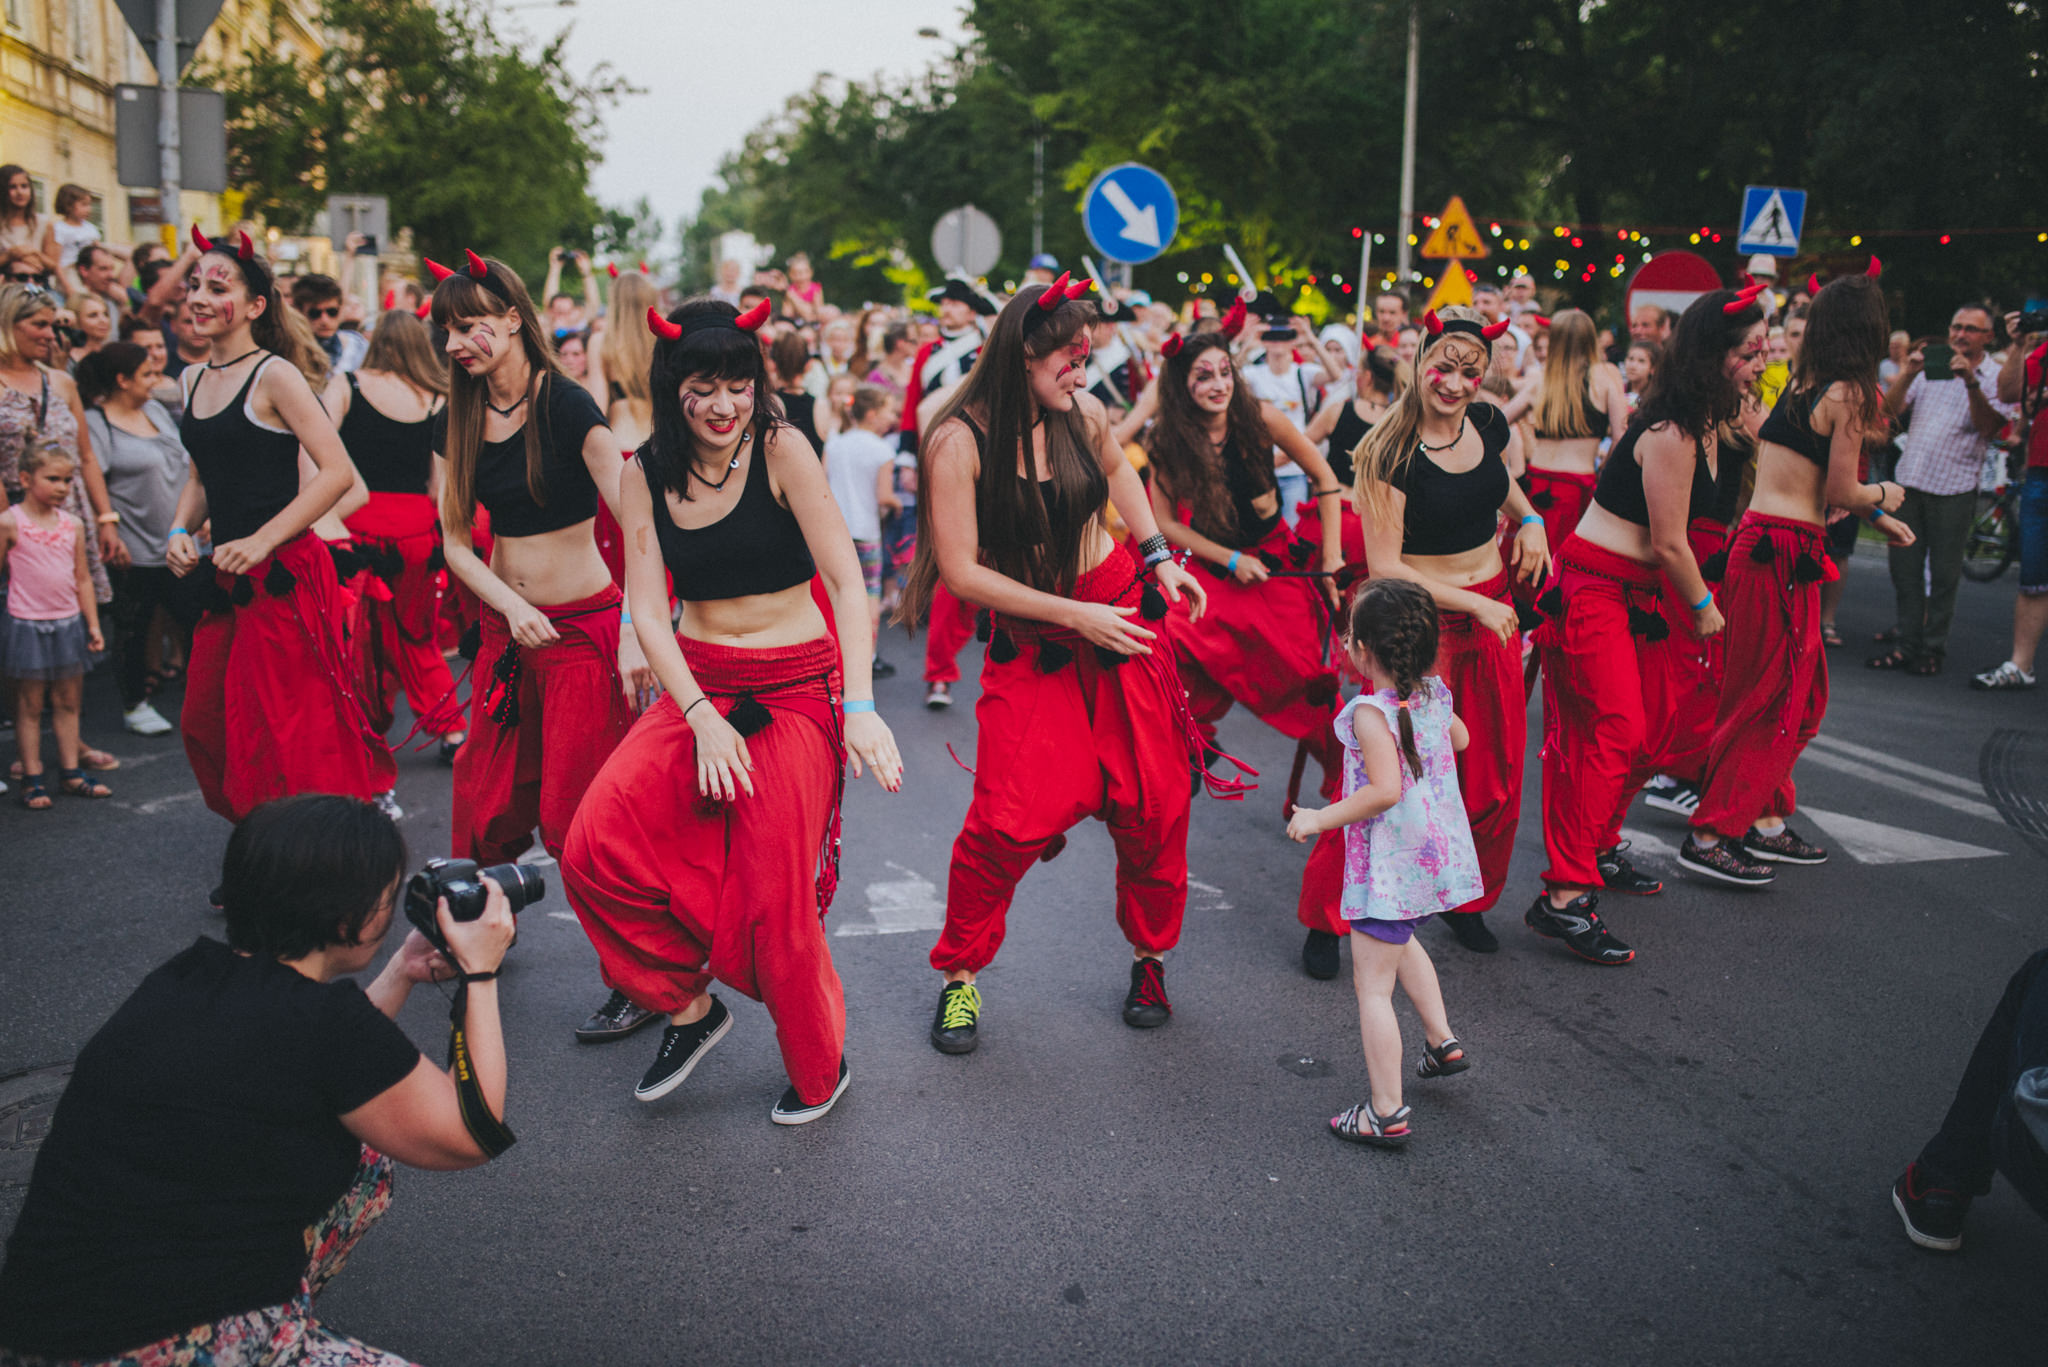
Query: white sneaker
[[387, 802], [145, 720], [2007, 675]]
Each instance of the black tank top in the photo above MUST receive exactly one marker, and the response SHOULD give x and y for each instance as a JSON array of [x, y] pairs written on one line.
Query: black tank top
[[1448, 514], [756, 548], [1620, 489], [395, 457], [567, 414], [1344, 438], [1245, 487], [250, 473], [1790, 425], [1596, 420], [1056, 513]]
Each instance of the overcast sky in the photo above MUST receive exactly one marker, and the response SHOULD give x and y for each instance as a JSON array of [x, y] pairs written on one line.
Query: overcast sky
[[712, 71]]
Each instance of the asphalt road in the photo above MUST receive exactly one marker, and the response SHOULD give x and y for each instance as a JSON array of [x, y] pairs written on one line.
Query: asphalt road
[[1685, 1160]]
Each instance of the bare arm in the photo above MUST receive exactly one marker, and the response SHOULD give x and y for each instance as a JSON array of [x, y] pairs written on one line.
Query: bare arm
[[1143, 411], [284, 391], [88, 604], [169, 288], [1380, 755], [1322, 482], [1383, 534]]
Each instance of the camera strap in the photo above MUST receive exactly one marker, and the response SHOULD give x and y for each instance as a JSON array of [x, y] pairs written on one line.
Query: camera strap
[[486, 1129]]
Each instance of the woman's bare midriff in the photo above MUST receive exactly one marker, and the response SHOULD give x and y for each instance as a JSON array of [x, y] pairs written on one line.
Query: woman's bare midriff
[[1460, 571], [1611, 533], [551, 568], [759, 621], [1565, 456], [1789, 485]]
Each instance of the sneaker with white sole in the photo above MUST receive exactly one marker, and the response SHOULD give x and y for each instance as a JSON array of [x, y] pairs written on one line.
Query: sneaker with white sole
[[1727, 862], [145, 720], [1783, 848], [938, 697], [683, 1047], [791, 1110], [1668, 794], [2006, 677], [387, 803]]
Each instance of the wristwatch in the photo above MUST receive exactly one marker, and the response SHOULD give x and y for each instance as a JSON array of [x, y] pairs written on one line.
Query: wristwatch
[[108, 518]]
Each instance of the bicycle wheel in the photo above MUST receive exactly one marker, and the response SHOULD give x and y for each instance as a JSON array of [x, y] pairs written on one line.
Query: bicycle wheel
[[1990, 544]]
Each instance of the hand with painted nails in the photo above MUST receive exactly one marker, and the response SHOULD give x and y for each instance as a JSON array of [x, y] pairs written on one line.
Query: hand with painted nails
[[724, 768], [636, 676], [1101, 624], [869, 742]]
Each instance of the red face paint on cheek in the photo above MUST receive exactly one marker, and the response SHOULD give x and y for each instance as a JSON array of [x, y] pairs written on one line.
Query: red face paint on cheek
[[483, 344], [227, 313], [690, 406]]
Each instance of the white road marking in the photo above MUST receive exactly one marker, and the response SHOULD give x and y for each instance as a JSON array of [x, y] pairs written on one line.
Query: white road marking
[[1643, 842], [563, 915], [1970, 787], [1873, 842], [1210, 899], [899, 906], [1899, 783], [156, 806]]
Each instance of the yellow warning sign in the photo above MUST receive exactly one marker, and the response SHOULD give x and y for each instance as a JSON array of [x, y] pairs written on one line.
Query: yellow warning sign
[[1453, 287], [1456, 235]]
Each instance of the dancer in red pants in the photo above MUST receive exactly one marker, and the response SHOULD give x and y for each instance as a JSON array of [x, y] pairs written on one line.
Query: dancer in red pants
[[1578, 403], [556, 684], [387, 423], [1264, 639], [1081, 712], [1775, 689], [269, 706], [708, 848], [1433, 484]]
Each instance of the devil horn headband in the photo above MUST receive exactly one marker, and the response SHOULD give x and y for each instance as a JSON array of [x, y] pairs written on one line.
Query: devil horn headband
[[1874, 269], [1055, 294], [1812, 284], [1493, 330], [1485, 332], [748, 322], [436, 269], [612, 269], [1172, 345], [1434, 324], [1744, 298], [1233, 321], [662, 327]]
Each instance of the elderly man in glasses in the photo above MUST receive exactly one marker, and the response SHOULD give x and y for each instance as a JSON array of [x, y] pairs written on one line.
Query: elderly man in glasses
[[319, 298]]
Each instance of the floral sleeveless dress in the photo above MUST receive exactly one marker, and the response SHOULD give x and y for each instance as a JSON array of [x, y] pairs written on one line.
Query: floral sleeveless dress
[[1416, 858], [20, 416]]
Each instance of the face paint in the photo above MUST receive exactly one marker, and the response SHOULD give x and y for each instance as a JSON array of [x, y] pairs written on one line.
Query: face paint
[[483, 344], [690, 406], [227, 312]]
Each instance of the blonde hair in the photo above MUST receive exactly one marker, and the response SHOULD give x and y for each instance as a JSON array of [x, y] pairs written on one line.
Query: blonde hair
[[1384, 454], [628, 347], [303, 350], [1567, 377], [18, 301]]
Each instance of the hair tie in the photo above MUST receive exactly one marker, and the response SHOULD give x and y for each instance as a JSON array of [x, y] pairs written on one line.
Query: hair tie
[[1401, 703]]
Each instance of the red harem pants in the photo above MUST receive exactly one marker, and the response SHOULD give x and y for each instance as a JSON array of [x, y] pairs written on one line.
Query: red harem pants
[[1308, 526], [1485, 678], [567, 713], [460, 608], [1265, 645], [1694, 689], [1085, 739], [947, 633], [269, 708], [1775, 689], [675, 890], [1607, 707], [1560, 497], [398, 610]]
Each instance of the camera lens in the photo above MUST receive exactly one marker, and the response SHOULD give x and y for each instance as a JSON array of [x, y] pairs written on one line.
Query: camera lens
[[523, 884]]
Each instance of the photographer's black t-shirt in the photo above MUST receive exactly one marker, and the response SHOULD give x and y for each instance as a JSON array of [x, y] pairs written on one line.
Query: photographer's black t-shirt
[[197, 1140]]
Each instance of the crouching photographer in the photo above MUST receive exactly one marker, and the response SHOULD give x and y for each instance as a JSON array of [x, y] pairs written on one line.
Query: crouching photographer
[[229, 1134]]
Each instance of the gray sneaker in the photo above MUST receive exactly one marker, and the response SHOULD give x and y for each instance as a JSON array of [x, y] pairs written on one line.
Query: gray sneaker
[[145, 720], [2006, 676]]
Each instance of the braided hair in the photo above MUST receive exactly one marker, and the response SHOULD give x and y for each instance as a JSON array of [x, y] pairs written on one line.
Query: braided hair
[[1395, 621]]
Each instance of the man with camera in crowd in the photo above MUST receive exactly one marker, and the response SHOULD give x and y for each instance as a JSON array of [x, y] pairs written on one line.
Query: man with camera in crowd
[[242, 1110]]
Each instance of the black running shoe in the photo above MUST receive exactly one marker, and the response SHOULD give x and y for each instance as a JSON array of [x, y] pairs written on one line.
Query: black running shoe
[[791, 1110], [1617, 874], [1933, 1215], [1145, 1005], [1782, 848], [616, 1019], [682, 1048], [1319, 955], [1470, 929], [1726, 862], [1579, 926], [953, 1028]]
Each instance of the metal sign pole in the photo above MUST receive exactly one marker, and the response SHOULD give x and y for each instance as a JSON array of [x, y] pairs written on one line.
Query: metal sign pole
[[170, 159], [1364, 291], [1407, 220]]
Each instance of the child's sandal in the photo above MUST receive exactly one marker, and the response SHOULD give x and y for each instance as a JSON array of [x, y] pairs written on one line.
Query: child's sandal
[[77, 783], [1362, 1125], [1441, 1060], [34, 796]]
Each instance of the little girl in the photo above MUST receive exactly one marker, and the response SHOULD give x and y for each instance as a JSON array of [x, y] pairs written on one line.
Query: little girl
[[52, 630], [1408, 850]]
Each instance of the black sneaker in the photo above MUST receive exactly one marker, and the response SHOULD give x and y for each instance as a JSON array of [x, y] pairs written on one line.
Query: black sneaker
[[791, 1110], [1580, 927], [1726, 862], [682, 1048], [616, 1019], [1145, 1005], [1933, 1215], [882, 669], [1782, 848], [953, 1028], [1668, 794], [1617, 874], [1319, 955], [1470, 930]]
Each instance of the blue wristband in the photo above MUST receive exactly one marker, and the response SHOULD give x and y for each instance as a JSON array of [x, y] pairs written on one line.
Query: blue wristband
[[853, 705], [1704, 601], [1533, 517], [625, 616], [179, 531], [1876, 515], [1231, 568]]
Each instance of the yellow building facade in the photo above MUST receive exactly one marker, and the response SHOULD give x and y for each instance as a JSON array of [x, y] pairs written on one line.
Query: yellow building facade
[[60, 61]]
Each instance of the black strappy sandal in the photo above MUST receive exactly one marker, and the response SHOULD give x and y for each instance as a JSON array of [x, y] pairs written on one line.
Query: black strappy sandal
[[1891, 659], [78, 783], [1362, 1125], [34, 796], [1442, 1060]]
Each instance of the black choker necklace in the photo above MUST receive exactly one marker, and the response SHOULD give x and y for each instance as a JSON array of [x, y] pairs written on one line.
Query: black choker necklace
[[1447, 445], [740, 450], [223, 365], [508, 411]]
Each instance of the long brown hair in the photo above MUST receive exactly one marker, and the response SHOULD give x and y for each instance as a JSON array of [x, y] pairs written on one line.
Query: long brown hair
[[1395, 620], [8, 214], [628, 347], [1185, 461], [1017, 538], [1563, 399], [460, 298], [401, 345], [1383, 456], [1845, 339]]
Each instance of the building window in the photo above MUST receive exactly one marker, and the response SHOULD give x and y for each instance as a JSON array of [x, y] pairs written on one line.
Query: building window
[[16, 19], [81, 31]]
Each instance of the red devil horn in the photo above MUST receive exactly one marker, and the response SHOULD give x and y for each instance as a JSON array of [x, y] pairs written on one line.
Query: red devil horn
[[1493, 330], [1368, 343], [612, 269], [425, 309], [477, 269], [1434, 324], [244, 248], [1233, 321], [644, 270], [751, 320], [662, 327], [1813, 284], [1172, 345], [1744, 298], [436, 269], [390, 300], [1539, 320], [1748, 279], [200, 239], [1079, 288], [1055, 294], [1874, 269]]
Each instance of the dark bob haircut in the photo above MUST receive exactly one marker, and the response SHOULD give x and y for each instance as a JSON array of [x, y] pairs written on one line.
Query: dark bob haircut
[[708, 353], [306, 872]]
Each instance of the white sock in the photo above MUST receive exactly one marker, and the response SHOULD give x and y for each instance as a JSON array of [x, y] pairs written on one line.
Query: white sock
[[1769, 828]]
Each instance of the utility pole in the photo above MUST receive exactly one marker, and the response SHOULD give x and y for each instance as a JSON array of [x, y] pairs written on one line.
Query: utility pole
[[1404, 226], [170, 160]]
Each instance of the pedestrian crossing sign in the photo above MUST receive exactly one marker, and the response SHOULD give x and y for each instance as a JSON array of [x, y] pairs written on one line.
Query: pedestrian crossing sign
[[1771, 220], [1456, 236], [1455, 287]]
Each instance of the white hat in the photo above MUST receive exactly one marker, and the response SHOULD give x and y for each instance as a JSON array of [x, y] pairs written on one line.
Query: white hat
[[1761, 266]]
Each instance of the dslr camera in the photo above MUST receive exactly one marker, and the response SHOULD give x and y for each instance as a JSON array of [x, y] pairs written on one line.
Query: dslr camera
[[462, 883]]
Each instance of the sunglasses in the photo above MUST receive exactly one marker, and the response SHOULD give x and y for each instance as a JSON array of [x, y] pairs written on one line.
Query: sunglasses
[[325, 311]]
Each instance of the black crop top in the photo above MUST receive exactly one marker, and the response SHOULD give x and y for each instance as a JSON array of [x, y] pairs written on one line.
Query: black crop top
[[1344, 438], [1596, 421], [1056, 513], [569, 414], [1790, 425], [1620, 489], [1245, 487], [394, 457], [756, 548], [250, 473], [1449, 514]]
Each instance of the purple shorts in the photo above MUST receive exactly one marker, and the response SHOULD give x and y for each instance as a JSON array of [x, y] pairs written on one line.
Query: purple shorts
[[1390, 932]]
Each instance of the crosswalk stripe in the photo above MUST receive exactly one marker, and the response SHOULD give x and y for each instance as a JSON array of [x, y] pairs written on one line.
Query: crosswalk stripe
[[1873, 842], [1900, 783], [1967, 786]]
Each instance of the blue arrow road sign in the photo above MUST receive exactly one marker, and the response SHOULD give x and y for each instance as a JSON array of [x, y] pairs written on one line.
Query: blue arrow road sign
[[1771, 220], [1130, 213]]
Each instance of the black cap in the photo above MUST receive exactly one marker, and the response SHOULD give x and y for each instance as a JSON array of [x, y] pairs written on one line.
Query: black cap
[[965, 293]]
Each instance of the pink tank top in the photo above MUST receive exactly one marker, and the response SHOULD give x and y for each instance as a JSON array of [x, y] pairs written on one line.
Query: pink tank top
[[43, 570]]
